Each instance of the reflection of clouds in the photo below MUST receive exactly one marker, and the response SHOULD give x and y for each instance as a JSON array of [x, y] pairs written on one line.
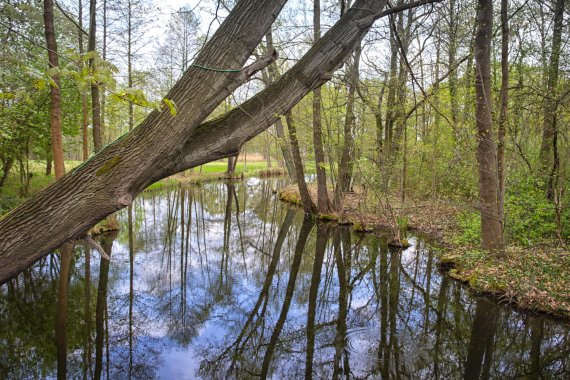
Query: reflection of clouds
[[401, 317]]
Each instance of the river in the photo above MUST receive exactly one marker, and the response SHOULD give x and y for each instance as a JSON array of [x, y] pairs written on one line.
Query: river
[[225, 281]]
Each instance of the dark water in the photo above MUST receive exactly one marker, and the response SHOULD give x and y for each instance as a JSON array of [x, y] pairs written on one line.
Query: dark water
[[224, 281]]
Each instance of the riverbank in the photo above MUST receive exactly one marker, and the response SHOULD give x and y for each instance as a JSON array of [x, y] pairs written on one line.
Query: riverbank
[[12, 193], [532, 278]]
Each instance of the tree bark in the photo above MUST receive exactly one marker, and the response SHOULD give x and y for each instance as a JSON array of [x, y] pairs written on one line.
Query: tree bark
[[452, 62], [323, 202], [548, 148], [95, 101], [272, 76], [308, 204], [504, 107], [345, 166], [491, 230], [285, 150], [84, 109], [55, 92]]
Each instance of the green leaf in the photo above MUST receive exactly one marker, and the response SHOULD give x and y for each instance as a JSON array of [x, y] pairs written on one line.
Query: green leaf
[[171, 106]]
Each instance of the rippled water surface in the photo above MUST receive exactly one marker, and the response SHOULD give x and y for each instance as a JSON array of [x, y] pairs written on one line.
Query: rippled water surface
[[224, 281]]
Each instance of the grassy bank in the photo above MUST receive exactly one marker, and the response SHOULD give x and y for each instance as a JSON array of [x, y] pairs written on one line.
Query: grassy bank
[[11, 197], [533, 278], [215, 171]]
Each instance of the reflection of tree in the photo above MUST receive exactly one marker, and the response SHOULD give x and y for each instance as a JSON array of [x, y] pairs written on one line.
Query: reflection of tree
[[66, 253], [322, 238], [101, 308], [343, 272], [353, 309], [235, 351], [481, 345], [299, 248]]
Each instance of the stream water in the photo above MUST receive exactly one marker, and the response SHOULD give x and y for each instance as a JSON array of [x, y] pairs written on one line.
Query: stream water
[[224, 281]]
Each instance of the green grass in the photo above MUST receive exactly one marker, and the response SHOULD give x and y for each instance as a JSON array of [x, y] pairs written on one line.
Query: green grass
[[10, 193], [222, 167]]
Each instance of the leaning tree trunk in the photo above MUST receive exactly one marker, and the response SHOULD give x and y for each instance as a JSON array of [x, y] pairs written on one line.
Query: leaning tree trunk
[[164, 145], [272, 75], [110, 180], [491, 229], [55, 92]]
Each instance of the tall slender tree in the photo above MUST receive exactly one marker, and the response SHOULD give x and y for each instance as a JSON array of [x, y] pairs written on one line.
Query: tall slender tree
[[55, 92], [95, 99], [84, 108], [323, 202], [491, 230], [549, 147], [504, 106]]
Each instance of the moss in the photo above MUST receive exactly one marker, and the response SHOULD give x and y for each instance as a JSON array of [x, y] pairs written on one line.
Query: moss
[[329, 217], [361, 227], [110, 164]]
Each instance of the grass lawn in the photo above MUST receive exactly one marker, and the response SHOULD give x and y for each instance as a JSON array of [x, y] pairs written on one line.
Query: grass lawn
[[10, 193]]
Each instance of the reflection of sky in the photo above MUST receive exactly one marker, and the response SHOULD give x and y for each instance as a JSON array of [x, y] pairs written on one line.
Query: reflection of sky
[[217, 302], [189, 306]]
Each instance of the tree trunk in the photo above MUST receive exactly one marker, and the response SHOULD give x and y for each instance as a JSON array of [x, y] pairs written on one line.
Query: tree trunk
[[323, 202], [49, 160], [452, 62], [7, 163], [272, 76], [548, 148], [308, 204], [55, 92], [110, 180], [95, 101], [285, 150], [504, 107], [345, 165], [103, 97], [163, 145], [491, 230], [84, 109]]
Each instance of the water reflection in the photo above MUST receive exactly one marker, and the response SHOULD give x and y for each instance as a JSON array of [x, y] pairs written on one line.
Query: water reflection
[[223, 281]]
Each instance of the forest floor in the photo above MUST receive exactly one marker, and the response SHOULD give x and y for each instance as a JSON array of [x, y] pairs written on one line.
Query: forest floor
[[533, 278]]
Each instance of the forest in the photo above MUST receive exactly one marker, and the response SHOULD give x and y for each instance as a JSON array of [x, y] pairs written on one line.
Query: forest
[[411, 146]]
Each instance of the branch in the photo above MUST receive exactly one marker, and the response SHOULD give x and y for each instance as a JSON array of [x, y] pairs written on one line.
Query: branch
[[403, 7], [96, 246], [222, 137], [70, 18]]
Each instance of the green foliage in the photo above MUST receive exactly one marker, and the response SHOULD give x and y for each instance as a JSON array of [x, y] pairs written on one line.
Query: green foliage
[[469, 228], [529, 215]]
